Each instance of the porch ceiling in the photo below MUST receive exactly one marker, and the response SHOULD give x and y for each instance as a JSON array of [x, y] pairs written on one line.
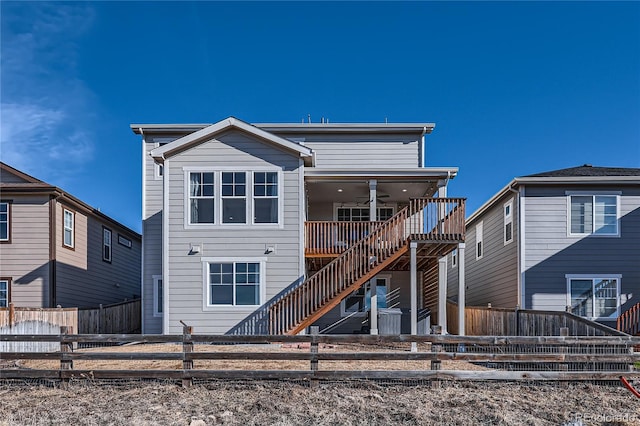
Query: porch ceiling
[[357, 190]]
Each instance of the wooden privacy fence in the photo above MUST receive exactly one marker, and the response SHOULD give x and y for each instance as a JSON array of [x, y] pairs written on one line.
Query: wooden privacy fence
[[123, 317], [552, 358], [488, 321]]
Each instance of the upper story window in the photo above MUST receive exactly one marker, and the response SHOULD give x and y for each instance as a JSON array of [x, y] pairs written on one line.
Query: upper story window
[[362, 214], [593, 296], [5, 221], [68, 228], [106, 244], [265, 197], [508, 221], [593, 214], [234, 197], [479, 241], [201, 197]]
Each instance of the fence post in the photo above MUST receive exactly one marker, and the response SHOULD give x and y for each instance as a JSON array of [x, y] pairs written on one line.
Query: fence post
[[313, 347], [12, 314], [187, 347], [436, 365], [66, 347]]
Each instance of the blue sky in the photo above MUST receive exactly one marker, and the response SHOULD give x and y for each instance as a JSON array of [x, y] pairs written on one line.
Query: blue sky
[[514, 88]]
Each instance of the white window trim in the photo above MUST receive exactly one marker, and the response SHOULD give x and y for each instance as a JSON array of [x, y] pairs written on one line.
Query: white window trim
[[217, 179], [8, 284], [248, 195], [8, 221], [480, 239], [156, 311], [593, 194], [234, 308], [508, 219], [343, 310], [454, 257], [106, 230], [72, 228], [617, 277], [336, 206]]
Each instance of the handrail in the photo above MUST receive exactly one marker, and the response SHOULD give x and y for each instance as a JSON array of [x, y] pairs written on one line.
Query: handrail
[[629, 321], [334, 237], [355, 265]]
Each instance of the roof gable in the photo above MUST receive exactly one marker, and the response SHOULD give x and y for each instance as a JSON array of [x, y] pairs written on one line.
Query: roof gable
[[161, 153], [10, 175]]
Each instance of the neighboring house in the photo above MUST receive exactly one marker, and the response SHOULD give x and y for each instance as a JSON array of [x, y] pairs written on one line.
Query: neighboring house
[[270, 228], [57, 250], [565, 238]]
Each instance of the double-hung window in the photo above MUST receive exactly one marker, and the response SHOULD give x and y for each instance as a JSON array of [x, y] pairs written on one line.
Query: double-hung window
[[594, 296], [265, 197], [158, 300], [5, 221], [68, 228], [201, 197], [508, 222], [479, 240], [234, 283], [5, 288], [234, 197], [106, 244], [593, 214]]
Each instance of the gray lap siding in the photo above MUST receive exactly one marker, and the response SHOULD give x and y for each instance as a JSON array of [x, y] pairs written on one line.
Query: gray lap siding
[[232, 151], [550, 253]]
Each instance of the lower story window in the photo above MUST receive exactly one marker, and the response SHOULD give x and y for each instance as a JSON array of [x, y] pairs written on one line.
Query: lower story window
[[359, 301], [4, 293], [234, 283], [594, 297], [158, 301]]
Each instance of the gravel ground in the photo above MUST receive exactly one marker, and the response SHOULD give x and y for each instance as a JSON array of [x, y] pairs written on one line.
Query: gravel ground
[[276, 403]]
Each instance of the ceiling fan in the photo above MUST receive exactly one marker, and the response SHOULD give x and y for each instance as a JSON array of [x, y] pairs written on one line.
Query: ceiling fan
[[380, 198]]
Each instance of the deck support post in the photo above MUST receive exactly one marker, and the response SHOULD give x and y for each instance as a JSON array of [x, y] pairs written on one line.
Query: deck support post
[[373, 200], [461, 290], [442, 294], [373, 315], [413, 246]]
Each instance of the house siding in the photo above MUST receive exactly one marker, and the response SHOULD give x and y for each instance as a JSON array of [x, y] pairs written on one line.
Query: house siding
[[83, 279], [551, 253], [26, 258], [152, 231], [493, 278], [362, 151], [185, 283], [7, 177]]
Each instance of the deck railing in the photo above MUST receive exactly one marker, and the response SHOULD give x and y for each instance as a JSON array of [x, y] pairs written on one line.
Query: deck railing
[[629, 321], [424, 218]]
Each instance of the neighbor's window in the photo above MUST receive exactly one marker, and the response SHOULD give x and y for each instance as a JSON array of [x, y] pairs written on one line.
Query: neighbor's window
[[157, 295], [68, 228], [5, 221], [594, 214], [508, 221], [234, 197], [479, 241], [4, 292], [454, 257], [234, 283], [265, 197], [106, 245], [201, 197], [594, 297]]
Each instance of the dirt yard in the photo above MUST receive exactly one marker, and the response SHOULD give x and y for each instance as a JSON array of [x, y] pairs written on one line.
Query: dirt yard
[[276, 403]]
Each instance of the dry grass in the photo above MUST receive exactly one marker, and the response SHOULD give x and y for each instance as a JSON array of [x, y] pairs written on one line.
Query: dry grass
[[292, 404]]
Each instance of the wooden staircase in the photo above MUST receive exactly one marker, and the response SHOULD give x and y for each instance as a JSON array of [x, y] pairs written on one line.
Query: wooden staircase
[[423, 219], [629, 321]]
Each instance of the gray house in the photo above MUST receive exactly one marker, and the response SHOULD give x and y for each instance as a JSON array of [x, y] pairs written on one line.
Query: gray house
[[271, 228], [57, 250], [562, 239]]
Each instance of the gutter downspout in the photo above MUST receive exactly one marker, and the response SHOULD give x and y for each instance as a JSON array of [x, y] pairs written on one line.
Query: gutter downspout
[[144, 207], [423, 147]]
